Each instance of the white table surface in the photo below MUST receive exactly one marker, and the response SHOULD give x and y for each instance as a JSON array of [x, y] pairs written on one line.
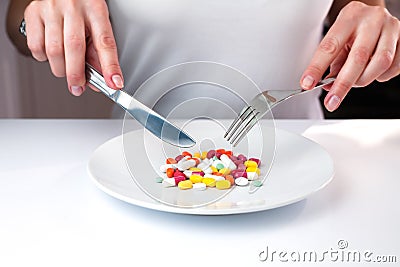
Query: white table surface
[[52, 214]]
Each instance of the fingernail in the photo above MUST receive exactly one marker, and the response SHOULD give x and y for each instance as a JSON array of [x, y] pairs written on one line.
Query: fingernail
[[76, 90], [332, 103], [117, 79], [308, 82]]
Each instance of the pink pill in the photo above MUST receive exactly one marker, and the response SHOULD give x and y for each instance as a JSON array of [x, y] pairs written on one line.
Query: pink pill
[[241, 167], [210, 154], [178, 158], [233, 158], [241, 157], [179, 179], [178, 173], [239, 173], [238, 162]]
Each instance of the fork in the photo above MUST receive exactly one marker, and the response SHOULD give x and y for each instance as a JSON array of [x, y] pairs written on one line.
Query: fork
[[259, 106]]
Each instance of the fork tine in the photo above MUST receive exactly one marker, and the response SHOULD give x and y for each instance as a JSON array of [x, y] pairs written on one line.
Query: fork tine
[[253, 121], [239, 121], [236, 120], [244, 125]]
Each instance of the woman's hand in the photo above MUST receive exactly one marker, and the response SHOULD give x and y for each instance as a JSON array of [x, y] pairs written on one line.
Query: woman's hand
[[68, 32], [362, 45]]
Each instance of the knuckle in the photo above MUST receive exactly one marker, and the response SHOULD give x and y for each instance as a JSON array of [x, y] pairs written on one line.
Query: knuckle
[[329, 45], [385, 59], [112, 68], [106, 41], [361, 55], [316, 69], [343, 86], [75, 42], [54, 49]]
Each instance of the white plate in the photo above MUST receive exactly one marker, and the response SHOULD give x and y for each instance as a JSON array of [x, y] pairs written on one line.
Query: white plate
[[301, 167]]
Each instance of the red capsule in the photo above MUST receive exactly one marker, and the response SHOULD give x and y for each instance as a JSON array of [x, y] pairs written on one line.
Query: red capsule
[[179, 179], [185, 153]]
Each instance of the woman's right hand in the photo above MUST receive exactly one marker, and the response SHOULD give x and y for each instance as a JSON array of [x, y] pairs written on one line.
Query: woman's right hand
[[68, 32]]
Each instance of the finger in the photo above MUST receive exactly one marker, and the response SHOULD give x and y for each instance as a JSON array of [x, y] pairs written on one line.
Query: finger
[[92, 58], [55, 45], [35, 31], [394, 70], [329, 48], [338, 62], [355, 64], [105, 45], [384, 53], [75, 49], [336, 66]]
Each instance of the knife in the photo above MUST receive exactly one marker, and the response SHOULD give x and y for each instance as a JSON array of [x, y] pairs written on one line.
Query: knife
[[152, 121]]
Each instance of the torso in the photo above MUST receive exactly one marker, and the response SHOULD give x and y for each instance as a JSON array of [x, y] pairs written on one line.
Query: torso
[[270, 41]]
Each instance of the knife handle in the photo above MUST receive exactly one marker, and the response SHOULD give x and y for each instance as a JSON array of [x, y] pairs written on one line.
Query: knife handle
[[97, 80]]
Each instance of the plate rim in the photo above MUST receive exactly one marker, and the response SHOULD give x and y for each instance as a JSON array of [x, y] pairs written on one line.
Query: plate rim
[[203, 210]]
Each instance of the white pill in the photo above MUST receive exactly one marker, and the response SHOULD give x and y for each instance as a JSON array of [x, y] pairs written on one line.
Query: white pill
[[163, 168], [215, 177], [203, 165], [187, 173], [200, 186], [251, 176], [208, 170], [182, 166], [169, 182], [228, 162], [241, 181]]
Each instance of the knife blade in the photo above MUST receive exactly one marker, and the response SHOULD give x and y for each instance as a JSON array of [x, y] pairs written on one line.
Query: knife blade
[[151, 120]]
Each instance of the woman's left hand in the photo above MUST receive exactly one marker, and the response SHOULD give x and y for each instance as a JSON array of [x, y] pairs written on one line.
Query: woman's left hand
[[362, 45]]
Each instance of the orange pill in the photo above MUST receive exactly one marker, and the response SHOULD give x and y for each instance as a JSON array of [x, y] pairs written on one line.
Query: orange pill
[[171, 161], [230, 179], [185, 153], [222, 151], [218, 174], [170, 172]]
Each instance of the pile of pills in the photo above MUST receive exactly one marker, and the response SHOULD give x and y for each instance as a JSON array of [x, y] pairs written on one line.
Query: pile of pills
[[215, 168]]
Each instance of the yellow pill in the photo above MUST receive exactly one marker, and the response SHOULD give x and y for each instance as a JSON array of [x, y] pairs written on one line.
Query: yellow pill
[[250, 164], [210, 182], [223, 184], [225, 171], [203, 155], [187, 184], [196, 178], [196, 155], [253, 169], [193, 169], [214, 169]]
